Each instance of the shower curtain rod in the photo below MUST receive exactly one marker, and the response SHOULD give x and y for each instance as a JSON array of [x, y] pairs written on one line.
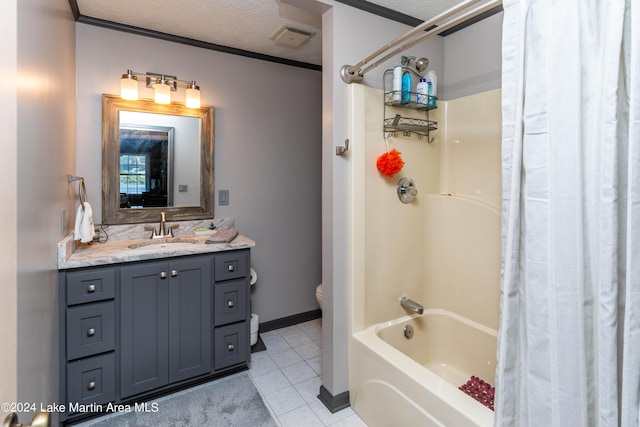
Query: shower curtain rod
[[354, 73]]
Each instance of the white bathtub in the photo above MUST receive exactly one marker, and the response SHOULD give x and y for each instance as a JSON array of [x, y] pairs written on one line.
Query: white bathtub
[[415, 381]]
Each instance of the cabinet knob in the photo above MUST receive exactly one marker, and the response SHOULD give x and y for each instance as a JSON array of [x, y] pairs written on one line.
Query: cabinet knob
[[163, 274], [91, 385], [231, 267], [231, 304], [231, 347], [91, 289], [91, 332], [174, 273]]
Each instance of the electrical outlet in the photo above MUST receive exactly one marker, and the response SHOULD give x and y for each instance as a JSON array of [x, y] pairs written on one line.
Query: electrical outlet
[[182, 188], [223, 197]]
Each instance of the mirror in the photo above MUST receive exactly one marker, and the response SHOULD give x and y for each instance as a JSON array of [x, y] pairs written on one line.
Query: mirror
[[155, 158]]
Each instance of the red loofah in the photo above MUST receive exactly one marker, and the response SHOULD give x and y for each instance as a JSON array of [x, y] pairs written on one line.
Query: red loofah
[[390, 163]]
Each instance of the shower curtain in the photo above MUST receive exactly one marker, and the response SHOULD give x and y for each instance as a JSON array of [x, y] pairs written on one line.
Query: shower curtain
[[569, 339]]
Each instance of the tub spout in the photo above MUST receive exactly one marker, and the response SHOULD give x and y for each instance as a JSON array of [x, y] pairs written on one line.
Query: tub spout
[[411, 305]]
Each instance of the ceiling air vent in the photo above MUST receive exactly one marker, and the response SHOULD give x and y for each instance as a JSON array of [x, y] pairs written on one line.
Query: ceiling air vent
[[290, 37]]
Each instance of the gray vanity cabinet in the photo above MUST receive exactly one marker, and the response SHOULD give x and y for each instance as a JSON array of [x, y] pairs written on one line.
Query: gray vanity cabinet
[[135, 330], [164, 334]]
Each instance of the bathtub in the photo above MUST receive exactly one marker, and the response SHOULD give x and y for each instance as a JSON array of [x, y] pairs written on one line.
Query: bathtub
[[415, 381]]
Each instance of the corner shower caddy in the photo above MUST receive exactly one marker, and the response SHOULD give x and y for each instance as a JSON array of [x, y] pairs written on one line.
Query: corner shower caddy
[[400, 123]]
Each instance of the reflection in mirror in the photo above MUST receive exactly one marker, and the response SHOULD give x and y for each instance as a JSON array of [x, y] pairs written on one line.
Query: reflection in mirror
[[146, 159], [156, 158]]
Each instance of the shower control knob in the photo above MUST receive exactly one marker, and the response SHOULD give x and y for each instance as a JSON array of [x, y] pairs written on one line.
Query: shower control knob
[[406, 190]]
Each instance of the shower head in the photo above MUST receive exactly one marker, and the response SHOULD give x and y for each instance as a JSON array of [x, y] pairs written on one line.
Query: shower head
[[421, 64]]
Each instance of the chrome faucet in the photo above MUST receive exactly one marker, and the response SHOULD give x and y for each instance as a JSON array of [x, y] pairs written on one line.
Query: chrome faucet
[[163, 231], [411, 305]]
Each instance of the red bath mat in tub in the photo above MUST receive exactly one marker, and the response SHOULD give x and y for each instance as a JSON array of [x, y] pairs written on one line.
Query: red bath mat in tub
[[480, 390]]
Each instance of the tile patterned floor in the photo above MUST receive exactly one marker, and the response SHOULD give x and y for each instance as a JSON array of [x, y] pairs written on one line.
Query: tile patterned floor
[[288, 373]]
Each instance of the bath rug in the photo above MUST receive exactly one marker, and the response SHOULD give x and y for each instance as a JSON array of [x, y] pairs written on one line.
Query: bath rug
[[480, 390], [229, 401]]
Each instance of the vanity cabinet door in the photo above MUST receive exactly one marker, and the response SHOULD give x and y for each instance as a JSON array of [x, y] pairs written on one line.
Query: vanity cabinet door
[[230, 302], [90, 329], [91, 380], [90, 285], [231, 345], [232, 265], [165, 333], [144, 327], [189, 318]]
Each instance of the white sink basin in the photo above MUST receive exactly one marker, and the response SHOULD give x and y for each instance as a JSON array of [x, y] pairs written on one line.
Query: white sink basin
[[169, 242]]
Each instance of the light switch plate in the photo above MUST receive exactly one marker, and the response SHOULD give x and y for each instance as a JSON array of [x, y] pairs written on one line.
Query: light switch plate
[[223, 197]]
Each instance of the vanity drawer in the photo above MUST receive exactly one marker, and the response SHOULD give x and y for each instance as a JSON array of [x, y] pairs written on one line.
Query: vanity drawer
[[230, 302], [90, 329], [231, 344], [91, 380], [90, 285], [230, 266]]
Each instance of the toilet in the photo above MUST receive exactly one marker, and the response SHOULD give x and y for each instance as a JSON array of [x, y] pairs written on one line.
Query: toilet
[[319, 295]]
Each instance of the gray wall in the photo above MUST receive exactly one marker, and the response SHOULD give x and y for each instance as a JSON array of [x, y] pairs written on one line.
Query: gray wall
[[38, 116], [267, 149], [473, 59], [9, 197]]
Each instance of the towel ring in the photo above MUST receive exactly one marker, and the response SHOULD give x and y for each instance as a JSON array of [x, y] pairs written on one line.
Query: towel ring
[[82, 190]]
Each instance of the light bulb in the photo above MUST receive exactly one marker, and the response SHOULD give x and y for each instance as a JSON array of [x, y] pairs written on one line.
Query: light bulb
[[162, 92], [193, 95], [129, 86]]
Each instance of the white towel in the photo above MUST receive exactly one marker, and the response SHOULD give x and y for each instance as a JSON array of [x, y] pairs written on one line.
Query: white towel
[[84, 230]]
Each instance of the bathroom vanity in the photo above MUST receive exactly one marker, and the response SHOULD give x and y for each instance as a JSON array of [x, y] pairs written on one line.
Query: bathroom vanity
[[137, 320]]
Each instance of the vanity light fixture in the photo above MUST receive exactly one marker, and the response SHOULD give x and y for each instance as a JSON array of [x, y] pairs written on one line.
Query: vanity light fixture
[[193, 95], [162, 85]]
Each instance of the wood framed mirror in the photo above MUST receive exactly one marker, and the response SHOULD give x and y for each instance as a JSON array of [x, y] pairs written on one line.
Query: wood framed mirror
[[156, 158]]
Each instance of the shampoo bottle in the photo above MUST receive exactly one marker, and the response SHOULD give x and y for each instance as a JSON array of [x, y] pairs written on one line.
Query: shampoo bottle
[[422, 92], [406, 88], [397, 83]]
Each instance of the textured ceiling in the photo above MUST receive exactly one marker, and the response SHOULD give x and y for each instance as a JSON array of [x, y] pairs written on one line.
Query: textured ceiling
[[247, 25]]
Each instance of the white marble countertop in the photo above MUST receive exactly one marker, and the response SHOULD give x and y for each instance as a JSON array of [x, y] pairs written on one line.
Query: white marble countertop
[[120, 250]]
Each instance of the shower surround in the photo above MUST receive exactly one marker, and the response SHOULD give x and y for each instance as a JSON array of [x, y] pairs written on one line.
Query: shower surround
[[442, 251]]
